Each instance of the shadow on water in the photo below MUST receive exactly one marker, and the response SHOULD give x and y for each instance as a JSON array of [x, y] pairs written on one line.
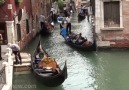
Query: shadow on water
[[28, 82]]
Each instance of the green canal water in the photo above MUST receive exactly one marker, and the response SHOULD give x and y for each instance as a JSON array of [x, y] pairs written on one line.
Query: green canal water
[[97, 70]]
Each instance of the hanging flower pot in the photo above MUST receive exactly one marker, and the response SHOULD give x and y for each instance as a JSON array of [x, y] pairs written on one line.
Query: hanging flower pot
[[2, 2], [18, 2]]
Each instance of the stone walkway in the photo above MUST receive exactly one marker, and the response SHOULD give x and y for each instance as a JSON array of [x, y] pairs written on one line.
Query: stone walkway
[[4, 59]]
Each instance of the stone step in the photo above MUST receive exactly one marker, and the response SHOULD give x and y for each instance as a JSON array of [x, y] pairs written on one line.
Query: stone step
[[25, 55], [26, 60], [23, 72], [22, 65]]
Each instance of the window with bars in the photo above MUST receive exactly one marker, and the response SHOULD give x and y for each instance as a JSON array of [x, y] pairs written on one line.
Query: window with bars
[[112, 14]]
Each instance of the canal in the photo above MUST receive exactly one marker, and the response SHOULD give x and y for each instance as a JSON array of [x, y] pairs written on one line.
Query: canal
[[96, 70]]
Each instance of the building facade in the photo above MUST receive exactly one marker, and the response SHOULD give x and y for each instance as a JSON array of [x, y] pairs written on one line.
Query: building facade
[[16, 22], [19, 20], [39, 7], [112, 23]]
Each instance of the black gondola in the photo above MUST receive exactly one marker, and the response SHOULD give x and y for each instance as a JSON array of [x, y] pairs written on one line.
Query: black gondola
[[81, 16], [48, 28], [46, 69], [71, 40]]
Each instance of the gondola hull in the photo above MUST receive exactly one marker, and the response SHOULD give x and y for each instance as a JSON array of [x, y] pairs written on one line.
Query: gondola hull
[[71, 40], [83, 47], [51, 81], [48, 29], [81, 16], [46, 78]]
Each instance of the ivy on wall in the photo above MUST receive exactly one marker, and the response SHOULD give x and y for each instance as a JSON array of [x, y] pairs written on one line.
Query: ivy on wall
[[18, 1], [60, 4], [2, 2]]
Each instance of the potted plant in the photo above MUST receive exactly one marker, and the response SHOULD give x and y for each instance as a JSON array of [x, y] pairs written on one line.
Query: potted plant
[[18, 2], [60, 4], [2, 2]]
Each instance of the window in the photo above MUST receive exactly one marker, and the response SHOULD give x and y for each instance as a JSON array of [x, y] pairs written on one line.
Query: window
[[18, 32], [27, 26], [3, 33], [112, 14]]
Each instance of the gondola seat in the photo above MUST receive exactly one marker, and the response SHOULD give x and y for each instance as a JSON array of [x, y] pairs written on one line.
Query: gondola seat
[[37, 60]]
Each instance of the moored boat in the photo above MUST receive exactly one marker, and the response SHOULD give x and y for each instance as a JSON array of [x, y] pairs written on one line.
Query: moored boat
[[48, 28], [81, 16], [79, 43], [45, 68]]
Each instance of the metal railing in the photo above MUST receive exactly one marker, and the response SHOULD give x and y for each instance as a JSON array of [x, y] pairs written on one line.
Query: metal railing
[[2, 77]]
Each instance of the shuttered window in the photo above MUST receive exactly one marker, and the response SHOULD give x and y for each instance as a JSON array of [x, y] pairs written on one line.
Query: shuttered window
[[112, 14]]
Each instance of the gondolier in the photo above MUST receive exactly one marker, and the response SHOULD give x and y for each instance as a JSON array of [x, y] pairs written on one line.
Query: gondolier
[[42, 21], [68, 26]]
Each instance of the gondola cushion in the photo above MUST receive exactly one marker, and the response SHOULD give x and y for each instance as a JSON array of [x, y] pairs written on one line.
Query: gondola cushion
[[37, 60]]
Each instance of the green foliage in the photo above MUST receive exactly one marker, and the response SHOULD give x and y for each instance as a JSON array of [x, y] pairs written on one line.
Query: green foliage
[[2, 2], [60, 4], [20, 1]]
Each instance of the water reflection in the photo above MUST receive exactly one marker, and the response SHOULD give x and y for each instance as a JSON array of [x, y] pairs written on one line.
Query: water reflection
[[28, 82]]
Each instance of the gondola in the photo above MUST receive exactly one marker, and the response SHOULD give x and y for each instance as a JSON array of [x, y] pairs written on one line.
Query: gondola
[[71, 41], [45, 68], [48, 28], [81, 16]]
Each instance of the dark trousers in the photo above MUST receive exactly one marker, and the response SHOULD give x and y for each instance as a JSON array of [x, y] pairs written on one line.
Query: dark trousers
[[17, 56], [88, 17], [42, 25], [55, 18], [65, 13], [68, 28]]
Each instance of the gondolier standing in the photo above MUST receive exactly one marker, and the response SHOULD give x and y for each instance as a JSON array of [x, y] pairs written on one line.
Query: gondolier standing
[[68, 26], [42, 21]]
